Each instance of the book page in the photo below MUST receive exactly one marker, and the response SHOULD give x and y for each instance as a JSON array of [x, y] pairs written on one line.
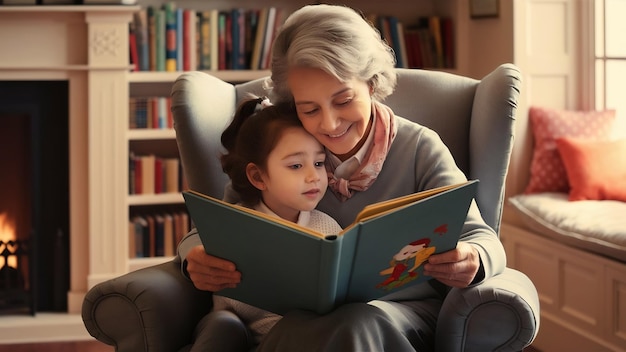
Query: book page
[[380, 208]]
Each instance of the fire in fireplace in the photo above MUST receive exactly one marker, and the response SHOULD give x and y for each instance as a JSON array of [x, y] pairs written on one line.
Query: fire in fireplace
[[16, 277], [34, 196]]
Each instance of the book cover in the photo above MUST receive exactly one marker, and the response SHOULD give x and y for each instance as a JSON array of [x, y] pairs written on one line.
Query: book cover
[[285, 266]]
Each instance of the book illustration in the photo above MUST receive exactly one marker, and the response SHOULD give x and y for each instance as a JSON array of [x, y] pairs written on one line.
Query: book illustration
[[285, 266], [417, 251], [398, 275]]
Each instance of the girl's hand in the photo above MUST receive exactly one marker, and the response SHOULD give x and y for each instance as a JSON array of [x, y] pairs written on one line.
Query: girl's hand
[[456, 268], [211, 273]]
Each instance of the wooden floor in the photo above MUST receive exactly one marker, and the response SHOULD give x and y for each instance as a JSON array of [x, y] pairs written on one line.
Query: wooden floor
[[82, 346]]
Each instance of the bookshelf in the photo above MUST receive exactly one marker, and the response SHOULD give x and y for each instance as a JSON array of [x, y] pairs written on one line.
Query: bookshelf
[[159, 83]]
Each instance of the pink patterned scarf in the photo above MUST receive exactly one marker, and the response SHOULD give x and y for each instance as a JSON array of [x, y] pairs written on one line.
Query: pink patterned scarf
[[364, 176]]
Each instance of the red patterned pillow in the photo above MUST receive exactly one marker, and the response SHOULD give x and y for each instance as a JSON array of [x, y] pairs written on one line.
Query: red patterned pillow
[[547, 173]]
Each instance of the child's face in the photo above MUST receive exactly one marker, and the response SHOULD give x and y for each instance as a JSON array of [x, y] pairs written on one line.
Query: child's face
[[296, 176]]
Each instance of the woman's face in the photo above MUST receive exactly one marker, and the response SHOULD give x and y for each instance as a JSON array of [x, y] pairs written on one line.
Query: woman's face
[[335, 113]]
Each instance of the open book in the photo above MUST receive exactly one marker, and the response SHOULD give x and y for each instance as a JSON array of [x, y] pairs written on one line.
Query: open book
[[285, 266]]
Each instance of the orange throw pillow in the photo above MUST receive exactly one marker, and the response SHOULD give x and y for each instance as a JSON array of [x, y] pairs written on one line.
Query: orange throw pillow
[[547, 173], [596, 170]]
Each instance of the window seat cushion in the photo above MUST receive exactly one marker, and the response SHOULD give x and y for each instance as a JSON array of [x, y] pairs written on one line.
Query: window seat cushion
[[597, 226]]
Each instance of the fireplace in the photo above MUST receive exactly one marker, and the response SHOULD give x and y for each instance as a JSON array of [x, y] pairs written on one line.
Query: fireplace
[[34, 208], [86, 48]]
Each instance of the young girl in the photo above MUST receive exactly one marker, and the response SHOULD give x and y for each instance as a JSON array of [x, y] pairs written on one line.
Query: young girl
[[275, 167]]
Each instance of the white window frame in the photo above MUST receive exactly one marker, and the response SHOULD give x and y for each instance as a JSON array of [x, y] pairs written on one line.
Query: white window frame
[[594, 88]]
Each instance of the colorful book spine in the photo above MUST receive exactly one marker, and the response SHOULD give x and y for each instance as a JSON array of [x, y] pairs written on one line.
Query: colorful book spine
[[160, 40], [132, 46], [171, 36], [434, 24], [189, 40], [268, 39], [179, 39], [214, 39], [252, 18], [259, 40], [238, 32], [152, 37], [143, 47], [204, 19], [223, 42]]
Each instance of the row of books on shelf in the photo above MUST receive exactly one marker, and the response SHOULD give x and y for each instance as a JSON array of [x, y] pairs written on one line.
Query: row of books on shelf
[[150, 174], [157, 234], [428, 43], [150, 112], [172, 38]]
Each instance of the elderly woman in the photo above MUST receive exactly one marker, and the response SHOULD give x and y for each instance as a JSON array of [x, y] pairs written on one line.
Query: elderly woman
[[335, 69]]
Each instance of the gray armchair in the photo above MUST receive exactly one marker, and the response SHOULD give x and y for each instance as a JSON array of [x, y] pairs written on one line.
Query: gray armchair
[[156, 308]]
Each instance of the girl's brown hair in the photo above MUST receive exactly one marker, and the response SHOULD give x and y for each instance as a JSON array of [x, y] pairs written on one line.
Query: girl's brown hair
[[250, 138]]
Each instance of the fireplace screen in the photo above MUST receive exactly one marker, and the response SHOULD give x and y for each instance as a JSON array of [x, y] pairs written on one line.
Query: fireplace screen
[[16, 286]]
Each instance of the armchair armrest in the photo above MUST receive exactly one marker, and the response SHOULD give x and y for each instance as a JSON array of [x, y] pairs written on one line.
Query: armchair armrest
[[502, 314], [151, 309]]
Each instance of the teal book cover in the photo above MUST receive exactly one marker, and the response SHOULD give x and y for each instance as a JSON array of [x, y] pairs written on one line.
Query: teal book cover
[[285, 266]]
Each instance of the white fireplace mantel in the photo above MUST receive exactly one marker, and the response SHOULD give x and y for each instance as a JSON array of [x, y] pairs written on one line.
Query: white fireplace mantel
[[87, 46]]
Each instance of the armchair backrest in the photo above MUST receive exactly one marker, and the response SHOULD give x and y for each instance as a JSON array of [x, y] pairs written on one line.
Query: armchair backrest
[[475, 118]]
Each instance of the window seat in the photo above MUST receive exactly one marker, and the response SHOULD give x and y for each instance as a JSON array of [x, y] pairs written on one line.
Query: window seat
[[591, 225]]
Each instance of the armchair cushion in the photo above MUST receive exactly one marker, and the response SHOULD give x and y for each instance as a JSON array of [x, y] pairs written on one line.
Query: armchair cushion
[[151, 309], [466, 313]]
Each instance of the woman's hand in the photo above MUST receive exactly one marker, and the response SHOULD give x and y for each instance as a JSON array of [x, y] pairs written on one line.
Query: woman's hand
[[211, 273], [456, 268]]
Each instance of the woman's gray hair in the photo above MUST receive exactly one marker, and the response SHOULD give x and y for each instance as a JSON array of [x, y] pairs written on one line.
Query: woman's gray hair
[[337, 40]]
